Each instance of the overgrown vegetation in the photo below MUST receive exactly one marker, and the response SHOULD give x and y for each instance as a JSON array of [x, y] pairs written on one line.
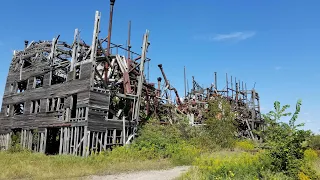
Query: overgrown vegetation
[[285, 153], [214, 151]]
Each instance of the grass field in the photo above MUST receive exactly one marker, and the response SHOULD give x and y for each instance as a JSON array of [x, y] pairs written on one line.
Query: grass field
[[38, 166]]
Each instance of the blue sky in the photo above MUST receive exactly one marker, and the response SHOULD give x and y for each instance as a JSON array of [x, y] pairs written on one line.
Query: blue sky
[[273, 43]]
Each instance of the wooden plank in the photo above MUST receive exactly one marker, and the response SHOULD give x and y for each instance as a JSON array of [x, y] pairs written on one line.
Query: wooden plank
[[114, 136], [41, 143], [80, 137], [92, 143], [85, 141], [105, 140], [75, 152], [97, 140], [71, 141], [45, 140], [61, 141], [88, 150]]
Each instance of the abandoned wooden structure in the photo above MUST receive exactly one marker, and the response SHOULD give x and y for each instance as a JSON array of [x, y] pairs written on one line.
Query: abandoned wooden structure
[[78, 99], [74, 98]]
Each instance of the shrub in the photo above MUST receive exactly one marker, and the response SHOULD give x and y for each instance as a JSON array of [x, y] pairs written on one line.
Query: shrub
[[286, 143], [310, 155], [245, 145], [166, 141], [220, 128], [315, 142], [231, 166]]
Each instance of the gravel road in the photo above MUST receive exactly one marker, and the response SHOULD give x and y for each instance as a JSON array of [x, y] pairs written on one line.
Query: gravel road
[[146, 175]]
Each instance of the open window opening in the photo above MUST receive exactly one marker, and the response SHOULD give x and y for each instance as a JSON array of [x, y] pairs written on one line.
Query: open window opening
[[61, 104], [38, 81], [74, 106], [26, 64], [53, 141], [11, 87], [49, 105], [77, 72], [55, 104], [18, 108], [58, 76], [35, 106], [8, 110], [22, 86]]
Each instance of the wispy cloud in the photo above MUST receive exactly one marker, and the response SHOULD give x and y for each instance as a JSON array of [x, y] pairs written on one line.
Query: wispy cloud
[[234, 36], [237, 36]]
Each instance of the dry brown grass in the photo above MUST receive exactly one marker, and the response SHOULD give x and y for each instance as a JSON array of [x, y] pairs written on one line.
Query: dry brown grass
[[38, 166]]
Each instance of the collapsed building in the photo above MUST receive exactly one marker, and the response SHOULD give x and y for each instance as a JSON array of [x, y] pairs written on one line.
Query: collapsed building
[[62, 98]]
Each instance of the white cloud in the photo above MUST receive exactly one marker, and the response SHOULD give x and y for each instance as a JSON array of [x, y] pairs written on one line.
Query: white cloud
[[235, 36]]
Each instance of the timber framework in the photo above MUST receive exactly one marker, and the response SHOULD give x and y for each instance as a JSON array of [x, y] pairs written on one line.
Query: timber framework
[[78, 99]]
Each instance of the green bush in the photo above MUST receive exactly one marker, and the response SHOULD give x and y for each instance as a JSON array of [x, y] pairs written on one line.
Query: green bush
[[310, 155], [221, 127], [315, 142], [246, 145], [286, 143], [230, 166], [166, 141]]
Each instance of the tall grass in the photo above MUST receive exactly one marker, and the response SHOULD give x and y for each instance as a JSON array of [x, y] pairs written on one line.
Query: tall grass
[[39, 166]]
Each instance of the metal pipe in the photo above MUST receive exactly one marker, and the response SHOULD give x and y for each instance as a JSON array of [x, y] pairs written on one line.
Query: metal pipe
[[109, 39], [159, 84], [110, 25], [185, 84], [215, 80], [129, 43], [168, 84], [227, 85], [26, 42], [231, 88]]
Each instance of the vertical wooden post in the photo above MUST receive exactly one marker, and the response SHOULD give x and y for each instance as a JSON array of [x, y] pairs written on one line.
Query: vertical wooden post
[[80, 137], [101, 138], [76, 140], [92, 143], [71, 141], [21, 138], [38, 142], [124, 130], [114, 137], [8, 141], [61, 141], [41, 143], [68, 140], [65, 140], [88, 145], [97, 139], [45, 140], [105, 140]]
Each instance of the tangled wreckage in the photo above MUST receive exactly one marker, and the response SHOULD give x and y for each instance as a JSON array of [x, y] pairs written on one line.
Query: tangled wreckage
[[77, 98]]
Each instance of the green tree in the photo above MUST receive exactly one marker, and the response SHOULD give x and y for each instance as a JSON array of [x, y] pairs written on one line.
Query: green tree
[[220, 123], [285, 141]]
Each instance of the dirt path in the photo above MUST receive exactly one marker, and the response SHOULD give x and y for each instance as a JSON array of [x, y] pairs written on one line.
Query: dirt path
[[146, 175]]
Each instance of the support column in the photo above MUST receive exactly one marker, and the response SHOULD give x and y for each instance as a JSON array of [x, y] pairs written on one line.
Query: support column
[[45, 140], [61, 141], [88, 150], [85, 141]]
